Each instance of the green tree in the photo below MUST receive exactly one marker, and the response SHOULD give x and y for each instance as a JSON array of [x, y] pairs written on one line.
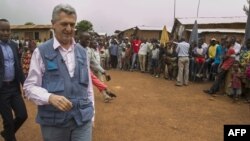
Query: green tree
[[84, 25], [245, 7], [29, 23]]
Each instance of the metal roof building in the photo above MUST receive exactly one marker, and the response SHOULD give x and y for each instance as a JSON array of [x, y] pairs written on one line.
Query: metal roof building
[[209, 27], [33, 32], [143, 32]]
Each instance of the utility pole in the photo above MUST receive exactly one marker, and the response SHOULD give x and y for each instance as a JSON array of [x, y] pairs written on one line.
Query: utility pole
[[174, 8], [175, 36], [198, 9]]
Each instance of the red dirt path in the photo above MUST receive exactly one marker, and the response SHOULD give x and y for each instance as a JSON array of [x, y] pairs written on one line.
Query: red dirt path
[[153, 109]]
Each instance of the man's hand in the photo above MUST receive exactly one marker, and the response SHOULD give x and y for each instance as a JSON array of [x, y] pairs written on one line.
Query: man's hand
[[108, 78], [110, 94], [60, 102]]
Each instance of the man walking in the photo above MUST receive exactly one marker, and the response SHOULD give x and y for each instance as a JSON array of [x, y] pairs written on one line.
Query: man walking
[[59, 82], [11, 76]]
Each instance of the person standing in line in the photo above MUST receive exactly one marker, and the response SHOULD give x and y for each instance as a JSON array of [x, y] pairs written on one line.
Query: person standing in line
[[170, 70], [114, 53], [11, 76], [226, 64], [155, 60], [149, 55], [135, 44], [143, 55], [245, 67], [236, 76], [237, 48], [122, 49], [127, 59], [59, 82], [183, 62], [199, 54]]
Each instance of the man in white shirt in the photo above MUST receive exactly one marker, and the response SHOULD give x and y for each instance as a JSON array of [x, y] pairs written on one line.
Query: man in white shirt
[[59, 82], [143, 55], [237, 48], [183, 62]]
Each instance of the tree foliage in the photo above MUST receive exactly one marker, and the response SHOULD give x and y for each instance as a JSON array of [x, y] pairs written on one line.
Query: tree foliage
[[84, 25], [246, 7], [29, 23]]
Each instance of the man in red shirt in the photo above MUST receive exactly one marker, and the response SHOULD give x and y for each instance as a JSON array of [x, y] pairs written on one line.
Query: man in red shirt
[[135, 44], [228, 61]]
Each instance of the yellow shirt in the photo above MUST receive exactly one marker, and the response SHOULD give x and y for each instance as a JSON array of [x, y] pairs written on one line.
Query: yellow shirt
[[212, 51]]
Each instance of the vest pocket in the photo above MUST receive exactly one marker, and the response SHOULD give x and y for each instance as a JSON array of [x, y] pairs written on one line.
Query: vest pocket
[[54, 82], [49, 115], [51, 62], [83, 72], [87, 112], [56, 85]]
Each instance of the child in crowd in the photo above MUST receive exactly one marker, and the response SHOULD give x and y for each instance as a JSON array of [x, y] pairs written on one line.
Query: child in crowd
[[236, 81], [128, 55], [155, 60], [123, 58], [199, 54]]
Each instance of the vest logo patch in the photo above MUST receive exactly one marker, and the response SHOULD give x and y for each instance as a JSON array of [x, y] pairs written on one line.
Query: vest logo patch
[[51, 65]]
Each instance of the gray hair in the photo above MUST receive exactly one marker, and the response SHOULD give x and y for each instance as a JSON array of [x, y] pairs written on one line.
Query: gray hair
[[68, 9]]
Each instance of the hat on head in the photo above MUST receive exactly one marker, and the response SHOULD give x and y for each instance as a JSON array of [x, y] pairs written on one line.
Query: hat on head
[[213, 39]]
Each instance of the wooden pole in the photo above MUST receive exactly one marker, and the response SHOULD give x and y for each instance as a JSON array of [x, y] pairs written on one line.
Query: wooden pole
[[198, 8], [174, 8]]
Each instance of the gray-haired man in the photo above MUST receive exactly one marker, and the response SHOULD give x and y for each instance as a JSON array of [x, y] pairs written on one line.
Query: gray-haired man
[[59, 82]]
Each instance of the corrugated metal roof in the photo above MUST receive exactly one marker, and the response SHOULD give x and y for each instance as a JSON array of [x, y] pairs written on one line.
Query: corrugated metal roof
[[159, 28], [221, 30], [150, 27], [213, 20], [30, 26]]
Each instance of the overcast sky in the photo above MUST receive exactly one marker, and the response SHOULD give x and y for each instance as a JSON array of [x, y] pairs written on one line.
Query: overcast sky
[[110, 15]]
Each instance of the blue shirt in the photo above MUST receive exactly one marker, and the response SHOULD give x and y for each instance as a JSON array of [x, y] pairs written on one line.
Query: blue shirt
[[114, 49], [183, 49], [218, 54], [9, 68]]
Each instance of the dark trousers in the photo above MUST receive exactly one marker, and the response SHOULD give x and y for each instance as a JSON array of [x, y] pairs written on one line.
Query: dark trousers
[[114, 61], [11, 100], [219, 80]]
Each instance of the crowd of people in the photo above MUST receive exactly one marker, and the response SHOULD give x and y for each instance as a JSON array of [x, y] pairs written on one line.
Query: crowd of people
[[59, 73], [224, 61]]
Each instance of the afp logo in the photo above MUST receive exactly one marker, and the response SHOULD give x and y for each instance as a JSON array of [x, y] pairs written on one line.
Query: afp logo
[[236, 132]]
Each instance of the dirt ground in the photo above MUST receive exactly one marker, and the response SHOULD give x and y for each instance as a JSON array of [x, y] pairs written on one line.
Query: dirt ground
[[153, 109]]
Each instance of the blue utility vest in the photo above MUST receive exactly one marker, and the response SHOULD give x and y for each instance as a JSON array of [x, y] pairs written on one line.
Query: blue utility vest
[[57, 80]]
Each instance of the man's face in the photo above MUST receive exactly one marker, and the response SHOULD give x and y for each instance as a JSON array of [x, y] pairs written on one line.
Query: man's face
[[64, 27], [94, 44], [213, 42], [228, 42], [126, 40], [4, 31], [84, 39]]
